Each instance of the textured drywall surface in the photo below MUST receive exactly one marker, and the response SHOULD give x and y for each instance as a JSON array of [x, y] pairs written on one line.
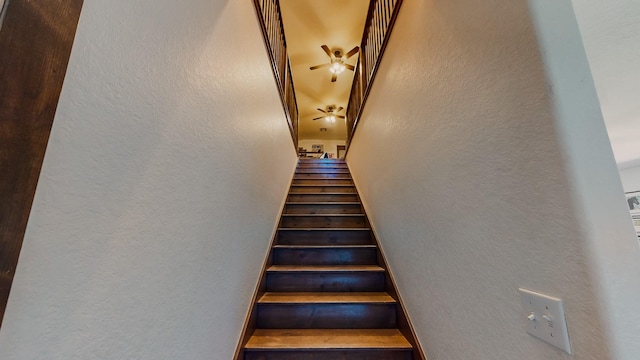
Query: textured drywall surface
[[611, 34], [459, 162], [167, 166], [609, 239], [630, 178]]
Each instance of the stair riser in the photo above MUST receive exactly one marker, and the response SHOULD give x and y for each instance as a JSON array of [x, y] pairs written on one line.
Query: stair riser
[[330, 355], [323, 209], [326, 316], [297, 181], [323, 237], [322, 170], [349, 189], [326, 281], [322, 222], [352, 256], [322, 176], [346, 197]]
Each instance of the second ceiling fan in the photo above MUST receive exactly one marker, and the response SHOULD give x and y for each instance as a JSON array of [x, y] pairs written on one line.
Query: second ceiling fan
[[331, 113], [337, 64]]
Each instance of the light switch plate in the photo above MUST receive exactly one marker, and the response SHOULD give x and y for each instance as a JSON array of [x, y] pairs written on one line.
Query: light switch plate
[[544, 318]]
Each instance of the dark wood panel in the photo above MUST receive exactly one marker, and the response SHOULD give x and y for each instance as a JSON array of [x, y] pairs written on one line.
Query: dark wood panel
[[36, 40], [322, 197], [326, 316], [326, 188], [324, 237], [323, 221], [325, 256], [307, 181], [323, 208], [323, 175], [326, 281]]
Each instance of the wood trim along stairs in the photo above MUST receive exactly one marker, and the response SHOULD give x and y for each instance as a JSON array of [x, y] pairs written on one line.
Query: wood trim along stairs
[[325, 291]]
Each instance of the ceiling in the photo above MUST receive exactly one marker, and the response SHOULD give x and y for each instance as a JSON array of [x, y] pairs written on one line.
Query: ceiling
[[308, 24]]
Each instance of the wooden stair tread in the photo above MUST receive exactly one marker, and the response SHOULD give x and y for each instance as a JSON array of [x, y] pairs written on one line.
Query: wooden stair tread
[[324, 268], [322, 193], [309, 247], [322, 185], [323, 202], [327, 339], [323, 229], [326, 298], [324, 215]]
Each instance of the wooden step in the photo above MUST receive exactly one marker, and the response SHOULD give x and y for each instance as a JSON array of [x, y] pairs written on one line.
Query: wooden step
[[331, 278], [322, 188], [323, 221], [317, 181], [321, 176], [321, 163], [328, 344], [326, 316], [323, 197], [326, 298], [322, 170], [324, 268], [353, 236], [310, 165], [316, 160], [328, 339], [325, 255], [318, 207]]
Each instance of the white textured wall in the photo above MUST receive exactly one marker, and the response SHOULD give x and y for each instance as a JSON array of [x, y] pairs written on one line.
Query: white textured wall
[[611, 34], [630, 178], [472, 183], [167, 166]]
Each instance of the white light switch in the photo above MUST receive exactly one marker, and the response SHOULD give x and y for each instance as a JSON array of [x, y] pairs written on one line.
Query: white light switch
[[544, 316]]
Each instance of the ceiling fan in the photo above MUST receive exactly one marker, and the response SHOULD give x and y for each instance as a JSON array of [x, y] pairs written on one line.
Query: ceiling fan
[[337, 64], [330, 113]]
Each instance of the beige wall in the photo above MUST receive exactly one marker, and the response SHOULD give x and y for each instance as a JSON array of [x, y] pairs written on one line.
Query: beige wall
[[162, 184], [484, 166]]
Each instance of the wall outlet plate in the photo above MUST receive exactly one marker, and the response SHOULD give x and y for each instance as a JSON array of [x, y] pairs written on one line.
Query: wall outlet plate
[[544, 318]]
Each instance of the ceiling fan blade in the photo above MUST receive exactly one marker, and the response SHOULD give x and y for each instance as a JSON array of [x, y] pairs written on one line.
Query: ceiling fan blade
[[340, 117], [350, 67], [322, 110], [319, 66], [326, 49], [339, 109], [318, 118], [334, 78], [351, 53]]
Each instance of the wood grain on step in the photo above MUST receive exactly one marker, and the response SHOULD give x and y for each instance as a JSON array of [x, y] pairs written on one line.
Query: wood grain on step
[[328, 339], [324, 268], [326, 298]]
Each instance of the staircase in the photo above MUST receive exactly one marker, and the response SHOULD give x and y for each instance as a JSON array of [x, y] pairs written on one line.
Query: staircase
[[325, 292]]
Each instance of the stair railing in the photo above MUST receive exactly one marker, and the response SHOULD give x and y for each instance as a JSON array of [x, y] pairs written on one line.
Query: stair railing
[[270, 19], [377, 30]]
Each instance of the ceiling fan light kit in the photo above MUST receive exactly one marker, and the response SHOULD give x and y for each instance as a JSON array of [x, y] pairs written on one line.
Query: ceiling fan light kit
[[337, 63], [331, 114]]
